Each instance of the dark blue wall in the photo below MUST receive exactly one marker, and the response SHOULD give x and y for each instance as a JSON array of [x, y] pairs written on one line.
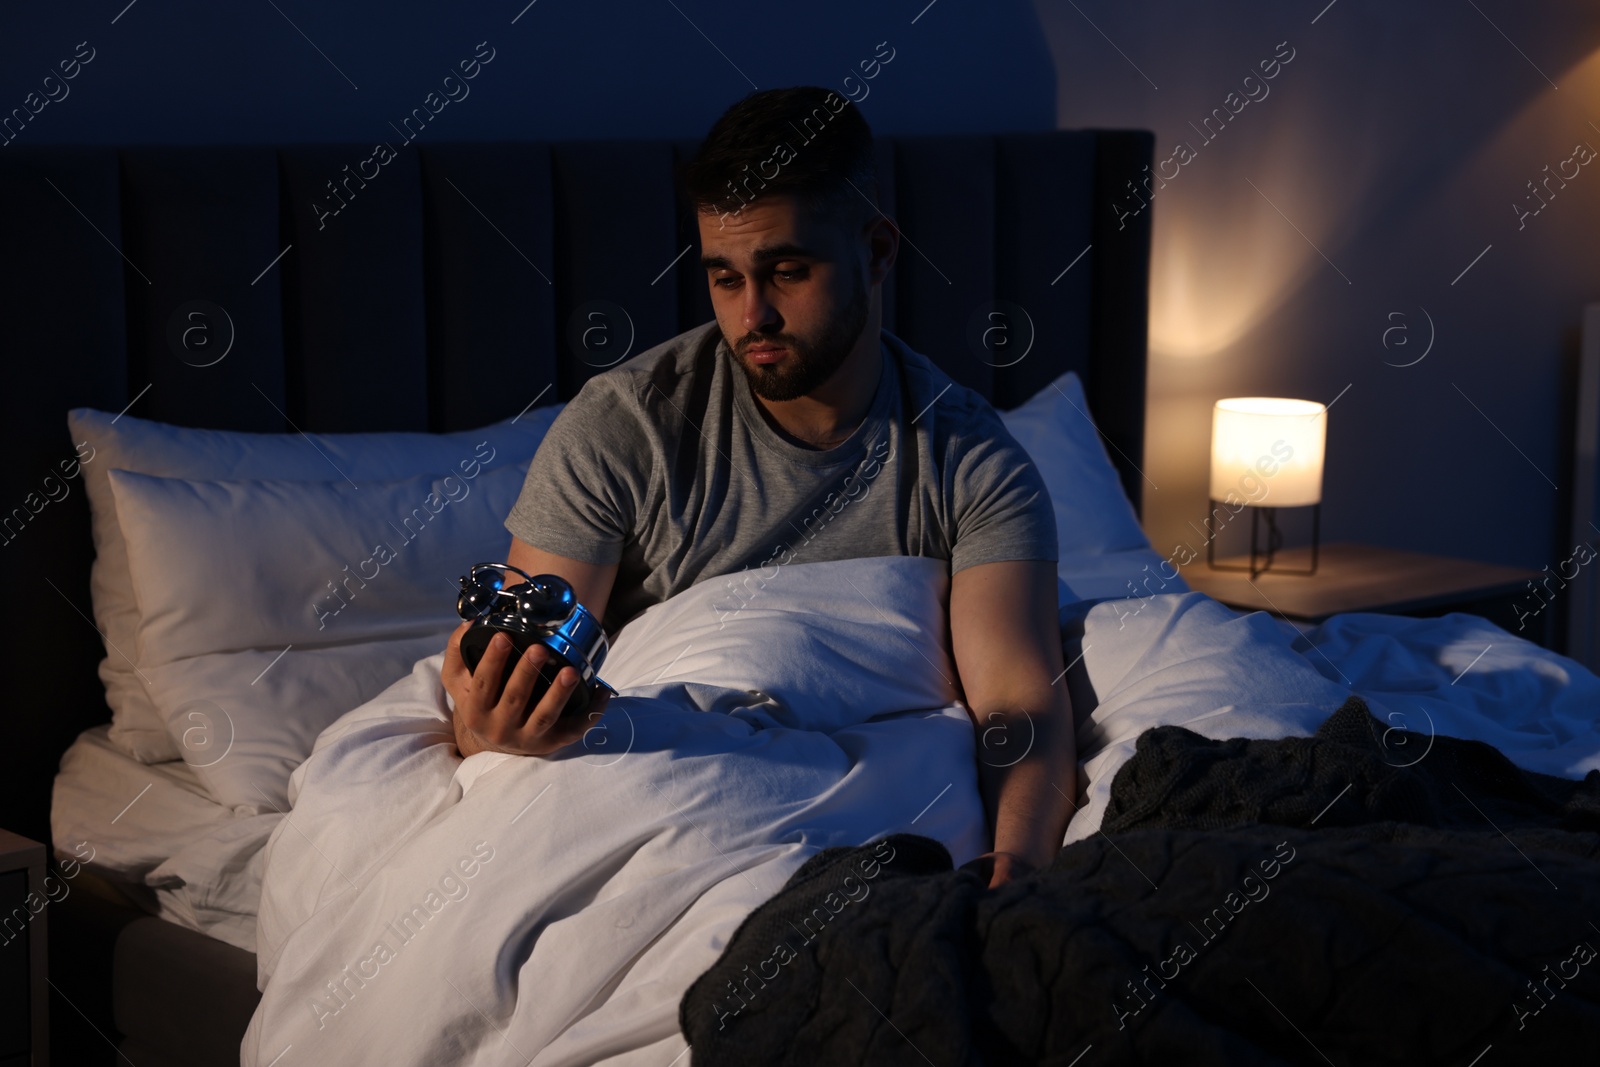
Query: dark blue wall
[[185, 71], [1384, 157]]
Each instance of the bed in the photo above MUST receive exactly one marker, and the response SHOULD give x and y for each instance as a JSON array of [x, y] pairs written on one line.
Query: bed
[[142, 265], [234, 326]]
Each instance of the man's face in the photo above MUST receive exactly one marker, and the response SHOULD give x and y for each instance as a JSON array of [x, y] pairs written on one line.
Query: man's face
[[789, 290]]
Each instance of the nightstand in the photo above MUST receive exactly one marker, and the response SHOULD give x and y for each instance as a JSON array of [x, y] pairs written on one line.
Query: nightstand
[[1353, 577], [24, 1003]]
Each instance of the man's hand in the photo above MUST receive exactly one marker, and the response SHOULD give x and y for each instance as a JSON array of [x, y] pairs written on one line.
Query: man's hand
[[1000, 867], [507, 724]]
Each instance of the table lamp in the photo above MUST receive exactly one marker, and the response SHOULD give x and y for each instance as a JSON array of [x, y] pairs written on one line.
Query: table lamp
[[1266, 453]]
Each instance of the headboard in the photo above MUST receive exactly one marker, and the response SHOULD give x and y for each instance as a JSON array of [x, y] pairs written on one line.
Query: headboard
[[453, 285]]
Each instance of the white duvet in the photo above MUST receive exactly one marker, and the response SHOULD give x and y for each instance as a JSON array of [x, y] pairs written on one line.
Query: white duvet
[[420, 909]]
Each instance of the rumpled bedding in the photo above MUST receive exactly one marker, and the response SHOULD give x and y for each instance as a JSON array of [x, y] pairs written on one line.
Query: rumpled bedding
[[1294, 901], [422, 909], [418, 908]]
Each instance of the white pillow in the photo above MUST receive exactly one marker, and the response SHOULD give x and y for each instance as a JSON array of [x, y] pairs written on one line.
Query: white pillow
[[128, 443], [244, 737], [1093, 513], [230, 574]]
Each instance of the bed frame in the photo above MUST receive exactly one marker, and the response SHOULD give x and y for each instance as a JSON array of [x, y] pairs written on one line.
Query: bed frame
[[461, 284]]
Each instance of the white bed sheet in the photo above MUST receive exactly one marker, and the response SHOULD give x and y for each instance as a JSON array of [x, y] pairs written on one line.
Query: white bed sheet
[[154, 828]]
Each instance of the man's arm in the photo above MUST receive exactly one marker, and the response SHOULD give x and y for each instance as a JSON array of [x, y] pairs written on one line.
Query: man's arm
[[591, 582], [483, 723], [1006, 641]]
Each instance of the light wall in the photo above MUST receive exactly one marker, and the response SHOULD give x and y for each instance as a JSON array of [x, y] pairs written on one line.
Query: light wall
[[1302, 250]]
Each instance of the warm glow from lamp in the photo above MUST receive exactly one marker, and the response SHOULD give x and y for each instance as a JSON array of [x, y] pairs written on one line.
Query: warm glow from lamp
[[1267, 451]]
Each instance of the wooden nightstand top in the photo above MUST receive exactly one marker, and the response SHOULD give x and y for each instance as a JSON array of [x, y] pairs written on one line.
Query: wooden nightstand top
[[17, 851], [1354, 577]]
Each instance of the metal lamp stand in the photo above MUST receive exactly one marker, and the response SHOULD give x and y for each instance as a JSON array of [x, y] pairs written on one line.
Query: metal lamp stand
[[1274, 540]]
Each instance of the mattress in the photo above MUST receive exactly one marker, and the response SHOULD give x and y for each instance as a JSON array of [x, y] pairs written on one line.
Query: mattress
[[159, 837]]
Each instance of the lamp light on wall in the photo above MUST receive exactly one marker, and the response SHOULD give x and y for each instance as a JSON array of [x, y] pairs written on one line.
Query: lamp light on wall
[[1266, 453]]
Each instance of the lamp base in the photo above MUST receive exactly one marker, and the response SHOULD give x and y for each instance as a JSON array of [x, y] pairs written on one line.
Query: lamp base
[[1274, 540]]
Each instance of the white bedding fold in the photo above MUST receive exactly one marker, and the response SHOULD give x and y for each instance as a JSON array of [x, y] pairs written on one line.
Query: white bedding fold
[[605, 879], [1459, 675], [154, 827], [1187, 660]]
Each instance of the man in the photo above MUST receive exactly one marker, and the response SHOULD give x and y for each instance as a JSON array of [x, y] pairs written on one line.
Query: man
[[729, 446]]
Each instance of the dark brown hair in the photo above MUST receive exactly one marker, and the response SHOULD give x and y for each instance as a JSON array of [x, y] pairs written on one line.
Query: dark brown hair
[[805, 141]]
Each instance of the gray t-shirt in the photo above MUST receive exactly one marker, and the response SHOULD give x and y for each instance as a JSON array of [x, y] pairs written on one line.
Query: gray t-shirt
[[665, 466]]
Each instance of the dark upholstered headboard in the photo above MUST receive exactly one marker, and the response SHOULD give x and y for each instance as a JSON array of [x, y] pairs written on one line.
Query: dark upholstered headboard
[[453, 288]]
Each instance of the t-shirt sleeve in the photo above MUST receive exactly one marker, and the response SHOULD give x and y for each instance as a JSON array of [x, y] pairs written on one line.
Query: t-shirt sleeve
[[1001, 506], [585, 485]]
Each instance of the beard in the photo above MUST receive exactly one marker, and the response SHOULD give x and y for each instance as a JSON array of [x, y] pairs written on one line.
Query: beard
[[809, 363]]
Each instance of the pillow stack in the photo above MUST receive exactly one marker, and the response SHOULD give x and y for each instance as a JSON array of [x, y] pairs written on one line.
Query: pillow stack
[[251, 587]]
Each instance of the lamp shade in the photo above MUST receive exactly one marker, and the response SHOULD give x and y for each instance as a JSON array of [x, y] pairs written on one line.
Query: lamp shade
[[1267, 451]]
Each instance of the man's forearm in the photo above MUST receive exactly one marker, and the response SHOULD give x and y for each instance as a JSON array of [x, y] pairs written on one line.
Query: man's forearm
[[1029, 798]]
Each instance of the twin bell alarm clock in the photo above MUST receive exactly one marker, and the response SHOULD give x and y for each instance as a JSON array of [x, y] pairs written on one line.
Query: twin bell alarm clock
[[540, 610]]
